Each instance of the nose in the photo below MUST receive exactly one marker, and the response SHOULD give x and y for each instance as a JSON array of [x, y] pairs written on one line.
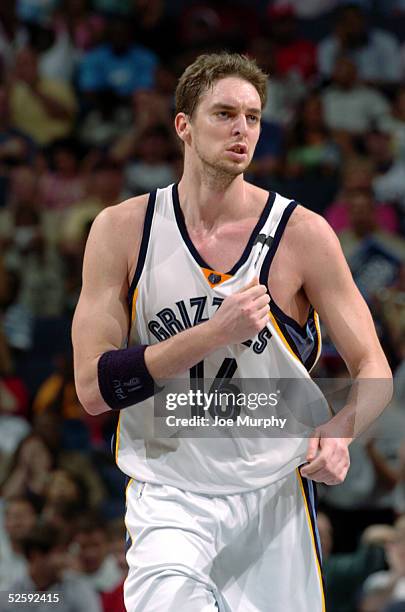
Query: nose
[[239, 125]]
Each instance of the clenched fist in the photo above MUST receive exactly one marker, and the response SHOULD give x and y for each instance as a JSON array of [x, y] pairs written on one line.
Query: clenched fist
[[242, 315]]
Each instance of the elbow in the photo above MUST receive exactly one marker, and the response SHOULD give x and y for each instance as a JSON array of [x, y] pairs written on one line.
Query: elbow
[[91, 400]]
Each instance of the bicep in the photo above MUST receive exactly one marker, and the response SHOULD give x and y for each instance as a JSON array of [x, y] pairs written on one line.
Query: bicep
[[330, 287], [101, 318]]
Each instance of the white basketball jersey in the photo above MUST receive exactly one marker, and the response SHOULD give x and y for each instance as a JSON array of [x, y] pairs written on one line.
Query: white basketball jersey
[[174, 289]]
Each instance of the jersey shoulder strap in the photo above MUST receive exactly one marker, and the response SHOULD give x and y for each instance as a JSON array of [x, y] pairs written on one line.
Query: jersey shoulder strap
[[272, 231]]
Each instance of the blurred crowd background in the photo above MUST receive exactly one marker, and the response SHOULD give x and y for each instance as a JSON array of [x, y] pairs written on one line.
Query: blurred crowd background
[[86, 116]]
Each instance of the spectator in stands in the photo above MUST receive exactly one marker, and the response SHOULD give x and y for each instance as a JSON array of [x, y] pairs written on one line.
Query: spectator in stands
[[311, 9], [208, 26], [23, 188], [105, 187], [117, 535], [119, 65], [293, 53], [367, 495], [84, 27], [66, 499], [389, 182], [99, 567], [373, 254], [43, 109], [13, 404], [38, 264], [151, 165], [8, 26], [358, 173], [57, 394], [350, 106], [34, 12], [45, 549], [66, 487], [29, 469], [343, 573], [154, 28], [375, 52], [22, 192], [149, 109], [20, 516], [372, 598], [392, 314], [284, 92], [114, 600], [268, 155], [56, 53], [392, 581], [394, 123], [64, 183], [311, 147], [105, 122], [74, 461], [15, 147]]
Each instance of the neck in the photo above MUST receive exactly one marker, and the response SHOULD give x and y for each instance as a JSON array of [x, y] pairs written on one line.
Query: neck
[[210, 196]]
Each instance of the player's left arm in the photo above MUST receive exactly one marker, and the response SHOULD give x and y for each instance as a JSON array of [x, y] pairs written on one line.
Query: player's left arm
[[330, 288]]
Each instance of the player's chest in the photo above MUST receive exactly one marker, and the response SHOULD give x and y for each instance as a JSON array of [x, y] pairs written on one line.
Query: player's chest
[[224, 248]]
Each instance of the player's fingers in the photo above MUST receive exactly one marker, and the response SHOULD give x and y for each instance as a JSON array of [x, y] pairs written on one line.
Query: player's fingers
[[328, 477], [253, 283], [323, 460], [263, 315], [319, 463], [255, 292], [320, 476], [262, 301], [313, 446]]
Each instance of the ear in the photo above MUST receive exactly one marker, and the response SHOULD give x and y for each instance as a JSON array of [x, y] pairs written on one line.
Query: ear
[[182, 125]]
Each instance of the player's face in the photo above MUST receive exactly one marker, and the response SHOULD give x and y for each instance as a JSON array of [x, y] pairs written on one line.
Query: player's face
[[225, 127]]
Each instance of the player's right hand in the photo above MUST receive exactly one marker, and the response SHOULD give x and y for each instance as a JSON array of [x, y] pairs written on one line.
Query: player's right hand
[[242, 315]]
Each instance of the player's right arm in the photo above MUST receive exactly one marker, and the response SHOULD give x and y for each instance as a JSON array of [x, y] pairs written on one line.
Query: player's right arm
[[101, 320]]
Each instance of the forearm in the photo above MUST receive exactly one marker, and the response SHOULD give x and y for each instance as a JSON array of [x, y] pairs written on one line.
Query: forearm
[[176, 355], [164, 360], [370, 393]]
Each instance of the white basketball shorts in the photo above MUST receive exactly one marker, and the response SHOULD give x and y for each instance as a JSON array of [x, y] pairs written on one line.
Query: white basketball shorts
[[251, 552]]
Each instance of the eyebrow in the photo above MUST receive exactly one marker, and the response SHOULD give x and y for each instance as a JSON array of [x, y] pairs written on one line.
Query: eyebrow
[[222, 106]]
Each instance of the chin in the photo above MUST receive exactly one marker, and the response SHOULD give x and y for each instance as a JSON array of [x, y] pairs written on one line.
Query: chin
[[232, 167]]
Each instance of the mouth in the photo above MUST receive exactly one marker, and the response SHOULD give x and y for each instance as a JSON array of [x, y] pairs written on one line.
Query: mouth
[[239, 149]]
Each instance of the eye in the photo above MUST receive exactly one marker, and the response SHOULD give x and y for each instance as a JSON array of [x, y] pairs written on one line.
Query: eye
[[222, 114], [253, 118]]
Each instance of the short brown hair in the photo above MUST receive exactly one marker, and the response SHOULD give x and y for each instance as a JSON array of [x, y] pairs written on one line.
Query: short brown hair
[[208, 68]]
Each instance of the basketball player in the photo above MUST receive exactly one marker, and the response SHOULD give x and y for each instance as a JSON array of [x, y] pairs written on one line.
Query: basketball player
[[215, 277]]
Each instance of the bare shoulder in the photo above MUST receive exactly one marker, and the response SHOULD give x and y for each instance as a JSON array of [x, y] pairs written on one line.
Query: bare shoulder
[[125, 219], [115, 236], [309, 233]]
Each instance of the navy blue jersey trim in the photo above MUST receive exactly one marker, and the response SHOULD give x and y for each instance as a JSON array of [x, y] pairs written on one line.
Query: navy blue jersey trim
[[201, 262], [287, 336], [144, 246], [311, 496], [312, 357], [264, 272], [281, 316]]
